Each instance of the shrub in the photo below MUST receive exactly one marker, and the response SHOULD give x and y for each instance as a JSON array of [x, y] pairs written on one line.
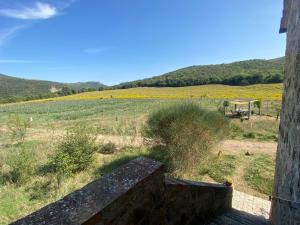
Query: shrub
[[226, 104], [108, 148], [75, 151], [21, 163], [249, 135], [187, 133], [18, 128]]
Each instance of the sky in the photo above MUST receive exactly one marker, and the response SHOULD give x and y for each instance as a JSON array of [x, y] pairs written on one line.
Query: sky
[[113, 41]]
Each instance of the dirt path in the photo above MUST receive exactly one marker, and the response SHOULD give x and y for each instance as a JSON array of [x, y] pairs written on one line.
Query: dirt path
[[227, 146], [236, 146]]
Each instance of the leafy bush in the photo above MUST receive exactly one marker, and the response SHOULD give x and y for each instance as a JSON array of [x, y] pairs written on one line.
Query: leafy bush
[[108, 148], [21, 163], [18, 128], [187, 133], [75, 151]]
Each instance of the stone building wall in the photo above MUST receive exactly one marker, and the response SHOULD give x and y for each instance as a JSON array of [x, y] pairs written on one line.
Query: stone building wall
[[286, 193], [136, 194]]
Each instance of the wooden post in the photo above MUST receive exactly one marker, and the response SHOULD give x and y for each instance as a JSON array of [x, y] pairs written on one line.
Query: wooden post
[[249, 110]]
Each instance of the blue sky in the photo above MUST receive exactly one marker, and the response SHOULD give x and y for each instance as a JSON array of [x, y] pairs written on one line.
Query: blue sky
[[113, 41]]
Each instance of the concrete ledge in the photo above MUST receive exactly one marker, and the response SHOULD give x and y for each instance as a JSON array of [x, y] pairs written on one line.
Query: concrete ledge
[[83, 205]]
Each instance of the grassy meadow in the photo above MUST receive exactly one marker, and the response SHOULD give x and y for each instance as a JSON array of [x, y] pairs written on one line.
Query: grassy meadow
[[118, 116]]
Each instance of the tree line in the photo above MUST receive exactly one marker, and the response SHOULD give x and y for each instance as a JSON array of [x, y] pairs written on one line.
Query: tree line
[[238, 73]]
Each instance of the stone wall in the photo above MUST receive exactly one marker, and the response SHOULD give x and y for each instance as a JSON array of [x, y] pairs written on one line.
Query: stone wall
[[286, 193], [136, 194], [188, 202]]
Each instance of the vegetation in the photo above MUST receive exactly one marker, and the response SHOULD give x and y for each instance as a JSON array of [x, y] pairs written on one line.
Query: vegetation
[[20, 162], [237, 73], [18, 127], [108, 148], [220, 168], [116, 121], [75, 151], [260, 173], [259, 129], [13, 89], [259, 91], [186, 133]]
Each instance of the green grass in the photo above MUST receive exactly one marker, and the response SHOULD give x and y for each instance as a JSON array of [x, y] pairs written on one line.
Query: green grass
[[220, 168], [109, 117], [13, 203], [260, 173], [259, 128]]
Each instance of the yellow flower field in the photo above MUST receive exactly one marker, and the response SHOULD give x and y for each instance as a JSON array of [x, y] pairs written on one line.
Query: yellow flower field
[[260, 91]]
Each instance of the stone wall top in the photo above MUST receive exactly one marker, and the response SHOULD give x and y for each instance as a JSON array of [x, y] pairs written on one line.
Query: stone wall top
[[81, 205]]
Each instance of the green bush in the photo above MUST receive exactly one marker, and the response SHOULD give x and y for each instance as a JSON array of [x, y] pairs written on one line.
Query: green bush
[[21, 163], [108, 148], [249, 135], [187, 133], [75, 151], [18, 128], [226, 104]]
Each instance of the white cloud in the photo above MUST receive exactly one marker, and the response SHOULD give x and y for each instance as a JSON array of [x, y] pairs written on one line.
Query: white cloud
[[38, 11], [7, 34], [18, 61], [95, 50]]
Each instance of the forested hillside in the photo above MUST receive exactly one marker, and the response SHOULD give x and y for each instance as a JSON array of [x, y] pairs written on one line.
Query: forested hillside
[[13, 89], [237, 73]]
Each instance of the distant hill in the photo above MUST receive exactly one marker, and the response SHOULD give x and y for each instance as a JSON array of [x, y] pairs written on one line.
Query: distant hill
[[237, 73], [86, 85], [14, 89]]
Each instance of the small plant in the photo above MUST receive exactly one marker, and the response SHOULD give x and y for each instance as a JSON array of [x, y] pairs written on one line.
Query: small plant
[[21, 163], [18, 128], [250, 135], [75, 151], [108, 148]]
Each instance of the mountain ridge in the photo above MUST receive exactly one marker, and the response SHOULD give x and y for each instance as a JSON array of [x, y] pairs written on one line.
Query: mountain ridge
[[236, 73], [14, 89], [247, 72]]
